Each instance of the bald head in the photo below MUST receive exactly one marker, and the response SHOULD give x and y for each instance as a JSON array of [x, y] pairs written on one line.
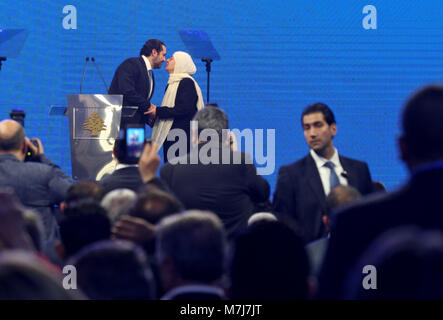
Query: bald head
[[12, 136]]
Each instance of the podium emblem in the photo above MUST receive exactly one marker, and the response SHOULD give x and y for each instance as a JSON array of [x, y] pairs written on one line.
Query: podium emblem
[[95, 124]]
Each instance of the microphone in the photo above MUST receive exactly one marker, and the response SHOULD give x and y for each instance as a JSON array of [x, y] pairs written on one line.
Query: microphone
[[84, 72], [101, 76], [344, 174]]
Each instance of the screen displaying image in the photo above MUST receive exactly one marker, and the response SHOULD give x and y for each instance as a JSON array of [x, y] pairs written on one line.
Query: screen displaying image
[[134, 142]]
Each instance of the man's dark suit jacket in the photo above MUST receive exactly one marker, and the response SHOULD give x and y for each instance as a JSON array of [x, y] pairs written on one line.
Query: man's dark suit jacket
[[132, 81], [229, 190], [128, 178], [39, 186], [184, 110], [356, 226], [299, 197]]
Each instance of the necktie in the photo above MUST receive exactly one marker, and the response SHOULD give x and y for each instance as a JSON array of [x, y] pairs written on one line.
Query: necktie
[[333, 178]]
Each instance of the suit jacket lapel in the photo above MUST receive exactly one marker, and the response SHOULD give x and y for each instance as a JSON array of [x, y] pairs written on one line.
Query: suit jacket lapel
[[351, 176], [145, 77], [153, 85], [314, 180]]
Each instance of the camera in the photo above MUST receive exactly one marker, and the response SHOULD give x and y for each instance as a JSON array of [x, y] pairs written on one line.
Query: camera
[[18, 115]]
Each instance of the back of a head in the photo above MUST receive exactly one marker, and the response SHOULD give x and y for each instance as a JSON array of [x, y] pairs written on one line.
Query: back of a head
[[322, 108], [35, 228], [269, 262], [13, 233], [422, 122], [84, 223], [154, 204], [118, 202], [84, 190], [114, 270], [195, 242], [12, 136], [212, 118], [150, 45], [119, 150], [339, 196], [24, 277], [408, 263]]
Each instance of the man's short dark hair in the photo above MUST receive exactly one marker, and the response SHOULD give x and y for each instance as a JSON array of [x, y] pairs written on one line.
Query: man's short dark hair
[[212, 118], [114, 270], [84, 190], [13, 143], [422, 123], [154, 204], [85, 222], [150, 45], [319, 107], [196, 243], [339, 196]]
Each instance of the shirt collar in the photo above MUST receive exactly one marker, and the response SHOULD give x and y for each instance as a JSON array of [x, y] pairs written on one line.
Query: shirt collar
[[320, 161], [148, 64], [122, 166], [9, 156]]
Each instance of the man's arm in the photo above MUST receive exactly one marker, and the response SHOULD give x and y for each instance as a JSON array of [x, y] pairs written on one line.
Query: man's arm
[[127, 74], [258, 187], [283, 201], [58, 181], [185, 102]]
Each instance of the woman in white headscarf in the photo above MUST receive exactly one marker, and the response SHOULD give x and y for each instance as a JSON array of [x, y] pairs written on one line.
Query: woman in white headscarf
[[182, 99]]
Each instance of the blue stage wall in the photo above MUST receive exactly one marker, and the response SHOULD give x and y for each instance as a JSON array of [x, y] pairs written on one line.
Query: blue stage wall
[[276, 58]]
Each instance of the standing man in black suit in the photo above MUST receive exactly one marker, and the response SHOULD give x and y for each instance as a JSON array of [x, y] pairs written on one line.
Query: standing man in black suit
[[228, 188], [134, 79], [302, 187], [417, 204]]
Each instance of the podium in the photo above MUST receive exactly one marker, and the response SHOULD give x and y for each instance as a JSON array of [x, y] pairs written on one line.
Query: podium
[[94, 124]]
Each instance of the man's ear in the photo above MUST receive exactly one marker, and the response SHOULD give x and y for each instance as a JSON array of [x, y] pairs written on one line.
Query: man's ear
[[24, 148], [63, 206], [60, 249], [326, 221], [403, 149], [334, 129]]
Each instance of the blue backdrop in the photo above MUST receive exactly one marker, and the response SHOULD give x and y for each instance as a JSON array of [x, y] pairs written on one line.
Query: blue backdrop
[[276, 58]]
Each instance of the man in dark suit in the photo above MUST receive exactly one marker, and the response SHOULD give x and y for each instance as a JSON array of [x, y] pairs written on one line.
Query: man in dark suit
[[418, 203], [191, 253], [302, 187], [134, 79], [126, 175], [203, 180], [338, 197], [39, 184]]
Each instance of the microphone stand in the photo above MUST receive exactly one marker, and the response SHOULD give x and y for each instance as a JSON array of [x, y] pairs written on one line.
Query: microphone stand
[[101, 76], [1, 60], [208, 70]]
